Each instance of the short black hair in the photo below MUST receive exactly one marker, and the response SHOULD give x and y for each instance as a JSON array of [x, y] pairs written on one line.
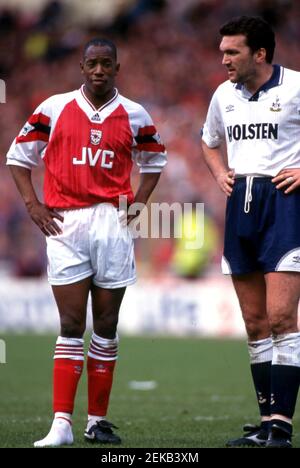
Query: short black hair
[[258, 32], [101, 42]]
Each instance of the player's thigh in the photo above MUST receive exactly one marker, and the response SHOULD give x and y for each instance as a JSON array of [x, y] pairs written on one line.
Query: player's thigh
[[106, 300], [71, 299], [106, 305], [251, 291], [283, 293]]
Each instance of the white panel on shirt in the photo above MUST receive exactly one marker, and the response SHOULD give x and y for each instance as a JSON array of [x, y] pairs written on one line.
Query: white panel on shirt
[[147, 161], [28, 154]]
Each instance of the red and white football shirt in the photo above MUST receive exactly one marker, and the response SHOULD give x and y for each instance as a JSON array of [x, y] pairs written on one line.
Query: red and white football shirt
[[88, 152]]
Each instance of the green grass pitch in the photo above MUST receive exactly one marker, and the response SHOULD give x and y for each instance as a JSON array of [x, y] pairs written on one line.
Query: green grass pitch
[[204, 392]]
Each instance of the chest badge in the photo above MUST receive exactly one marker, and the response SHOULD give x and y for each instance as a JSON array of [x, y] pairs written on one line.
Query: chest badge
[[276, 106], [95, 136]]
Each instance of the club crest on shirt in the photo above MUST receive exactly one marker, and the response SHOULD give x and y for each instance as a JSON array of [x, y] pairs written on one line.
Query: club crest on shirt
[[276, 106], [95, 136]]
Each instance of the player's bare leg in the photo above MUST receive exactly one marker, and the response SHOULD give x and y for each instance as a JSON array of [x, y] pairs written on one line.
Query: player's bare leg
[[251, 292], [106, 305], [102, 355], [71, 301], [283, 292], [280, 293]]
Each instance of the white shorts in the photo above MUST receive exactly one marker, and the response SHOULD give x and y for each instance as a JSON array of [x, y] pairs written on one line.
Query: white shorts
[[93, 243]]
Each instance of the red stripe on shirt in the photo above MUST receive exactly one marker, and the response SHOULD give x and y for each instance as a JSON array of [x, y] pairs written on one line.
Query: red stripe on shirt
[[33, 136], [148, 130], [39, 118], [151, 147]]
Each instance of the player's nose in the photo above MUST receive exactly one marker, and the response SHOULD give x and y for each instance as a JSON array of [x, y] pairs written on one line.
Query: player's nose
[[98, 69], [225, 60]]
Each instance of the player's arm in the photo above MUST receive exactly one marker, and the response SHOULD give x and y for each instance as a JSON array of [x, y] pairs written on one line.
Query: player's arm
[[150, 155], [41, 215], [213, 136], [148, 182], [25, 154], [214, 160]]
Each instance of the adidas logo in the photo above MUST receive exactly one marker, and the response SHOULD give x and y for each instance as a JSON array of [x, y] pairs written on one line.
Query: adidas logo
[[96, 118]]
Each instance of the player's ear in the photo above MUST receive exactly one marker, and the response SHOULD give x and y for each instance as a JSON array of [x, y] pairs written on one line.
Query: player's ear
[[81, 67], [117, 67], [261, 54]]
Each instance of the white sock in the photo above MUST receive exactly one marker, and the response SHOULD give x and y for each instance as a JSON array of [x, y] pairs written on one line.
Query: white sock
[[66, 416], [260, 351], [93, 420], [287, 349], [60, 433]]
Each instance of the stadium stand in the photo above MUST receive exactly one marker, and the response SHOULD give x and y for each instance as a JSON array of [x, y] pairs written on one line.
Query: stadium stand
[[169, 54]]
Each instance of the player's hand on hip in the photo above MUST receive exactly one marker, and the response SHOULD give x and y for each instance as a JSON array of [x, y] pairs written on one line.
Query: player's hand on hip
[[125, 218], [287, 179], [44, 218], [225, 181]]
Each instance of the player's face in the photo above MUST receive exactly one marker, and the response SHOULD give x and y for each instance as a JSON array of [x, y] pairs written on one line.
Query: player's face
[[99, 68], [238, 59]]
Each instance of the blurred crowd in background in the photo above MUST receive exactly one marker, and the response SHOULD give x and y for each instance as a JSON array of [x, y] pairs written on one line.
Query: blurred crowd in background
[[170, 63]]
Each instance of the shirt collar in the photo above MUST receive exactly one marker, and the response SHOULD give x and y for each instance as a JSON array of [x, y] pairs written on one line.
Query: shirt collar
[[275, 80], [116, 93]]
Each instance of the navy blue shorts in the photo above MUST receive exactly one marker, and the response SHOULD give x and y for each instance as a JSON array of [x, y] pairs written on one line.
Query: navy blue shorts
[[267, 238]]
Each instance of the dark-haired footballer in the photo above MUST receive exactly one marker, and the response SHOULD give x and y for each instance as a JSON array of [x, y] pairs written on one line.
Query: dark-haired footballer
[[256, 112]]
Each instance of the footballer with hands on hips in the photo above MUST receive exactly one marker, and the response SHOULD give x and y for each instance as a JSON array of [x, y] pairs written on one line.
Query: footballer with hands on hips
[[256, 112], [88, 140]]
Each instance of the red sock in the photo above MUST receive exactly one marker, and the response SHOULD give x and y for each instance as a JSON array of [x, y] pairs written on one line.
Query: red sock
[[66, 373], [100, 378]]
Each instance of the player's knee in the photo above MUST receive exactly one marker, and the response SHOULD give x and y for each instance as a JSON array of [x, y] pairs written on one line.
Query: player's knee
[[257, 328], [72, 328], [106, 326], [281, 323]]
